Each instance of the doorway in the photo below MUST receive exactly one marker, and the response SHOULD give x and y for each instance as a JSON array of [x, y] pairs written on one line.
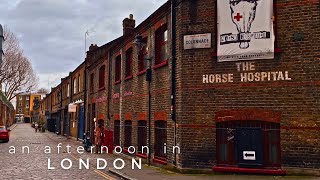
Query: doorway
[[248, 143]]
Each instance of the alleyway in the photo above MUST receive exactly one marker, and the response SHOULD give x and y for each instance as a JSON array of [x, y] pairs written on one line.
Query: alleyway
[[35, 164]]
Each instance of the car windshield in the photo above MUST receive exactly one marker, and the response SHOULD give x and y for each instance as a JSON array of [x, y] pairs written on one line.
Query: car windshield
[[2, 128]]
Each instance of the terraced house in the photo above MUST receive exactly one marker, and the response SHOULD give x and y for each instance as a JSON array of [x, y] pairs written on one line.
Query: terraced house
[[233, 96]]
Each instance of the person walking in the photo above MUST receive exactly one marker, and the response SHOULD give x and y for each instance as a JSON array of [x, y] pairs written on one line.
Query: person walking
[[98, 138], [36, 126]]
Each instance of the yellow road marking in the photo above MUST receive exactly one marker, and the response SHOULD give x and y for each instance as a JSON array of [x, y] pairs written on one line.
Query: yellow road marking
[[104, 175]]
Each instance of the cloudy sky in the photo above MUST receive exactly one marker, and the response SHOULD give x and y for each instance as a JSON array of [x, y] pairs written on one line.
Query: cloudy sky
[[52, 32]]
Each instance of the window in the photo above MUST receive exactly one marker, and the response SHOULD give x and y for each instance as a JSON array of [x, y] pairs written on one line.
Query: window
[[91, 82], [118, 69], [129, 62], [75, 86], [142, 135], [162, 44], [127, 133], [116, 131], [20, 98], [27, 106], [160, 139], [102, 75], [68, 90], [79, 83], [143, 55], [20, 104], [20, 110], [27, 98]]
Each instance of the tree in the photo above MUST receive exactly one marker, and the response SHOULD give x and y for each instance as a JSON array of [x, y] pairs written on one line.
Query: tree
[[16, 72]]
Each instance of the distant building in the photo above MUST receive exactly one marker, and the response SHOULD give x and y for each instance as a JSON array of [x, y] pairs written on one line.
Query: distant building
[[24, 105]]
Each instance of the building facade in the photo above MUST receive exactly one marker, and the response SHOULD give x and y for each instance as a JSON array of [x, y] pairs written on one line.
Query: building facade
[[225, 113], [24, 105]]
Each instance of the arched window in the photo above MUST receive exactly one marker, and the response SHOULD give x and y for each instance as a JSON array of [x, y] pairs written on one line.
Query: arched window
[[117, 75], [129, 62], [162, 50], [102, 75]]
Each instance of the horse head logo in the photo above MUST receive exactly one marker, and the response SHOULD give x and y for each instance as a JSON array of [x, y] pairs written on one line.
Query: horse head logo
[[243, 13]]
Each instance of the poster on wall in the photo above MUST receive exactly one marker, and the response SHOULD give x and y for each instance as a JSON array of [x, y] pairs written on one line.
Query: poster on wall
[[245, 30]]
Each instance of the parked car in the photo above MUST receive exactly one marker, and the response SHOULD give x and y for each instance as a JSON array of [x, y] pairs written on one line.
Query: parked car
[[4, 134]]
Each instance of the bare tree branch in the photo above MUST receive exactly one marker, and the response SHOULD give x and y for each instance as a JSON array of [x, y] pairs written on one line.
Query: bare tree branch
[[16, 72]]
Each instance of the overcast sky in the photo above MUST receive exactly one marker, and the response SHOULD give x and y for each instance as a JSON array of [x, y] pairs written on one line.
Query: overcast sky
[[51, 32]]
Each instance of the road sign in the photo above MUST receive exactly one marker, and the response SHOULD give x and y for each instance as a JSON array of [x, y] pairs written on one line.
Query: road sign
[[249, 155]]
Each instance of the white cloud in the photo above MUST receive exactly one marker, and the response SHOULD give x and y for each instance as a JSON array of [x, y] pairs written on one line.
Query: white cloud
[[51, 32]]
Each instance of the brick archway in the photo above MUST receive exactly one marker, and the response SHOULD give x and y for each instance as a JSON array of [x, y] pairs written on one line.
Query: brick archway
[[248, 114]]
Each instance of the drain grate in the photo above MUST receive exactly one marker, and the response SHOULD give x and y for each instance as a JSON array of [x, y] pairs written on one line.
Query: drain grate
[[36, 143]]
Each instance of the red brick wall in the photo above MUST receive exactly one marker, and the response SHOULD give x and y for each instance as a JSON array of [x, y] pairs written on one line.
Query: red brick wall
[[296, 100]]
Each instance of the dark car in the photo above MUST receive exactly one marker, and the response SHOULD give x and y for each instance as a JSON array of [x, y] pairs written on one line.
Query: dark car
[[4, 134]]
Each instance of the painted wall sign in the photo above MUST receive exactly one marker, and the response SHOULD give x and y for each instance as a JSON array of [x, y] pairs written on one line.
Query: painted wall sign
[[101, 99], [249, 155], [245, 30], [129, 93], [247, 73], [116, 96], [197, 41]]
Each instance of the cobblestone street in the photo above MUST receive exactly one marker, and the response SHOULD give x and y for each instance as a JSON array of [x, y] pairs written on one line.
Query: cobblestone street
[[34, 165]]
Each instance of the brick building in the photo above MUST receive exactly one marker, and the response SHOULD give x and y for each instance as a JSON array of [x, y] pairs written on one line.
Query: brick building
[[24, 105], [259, 115], [7, 112]]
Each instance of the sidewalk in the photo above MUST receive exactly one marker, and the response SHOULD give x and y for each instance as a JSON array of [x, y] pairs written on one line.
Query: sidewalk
[[156, 173]]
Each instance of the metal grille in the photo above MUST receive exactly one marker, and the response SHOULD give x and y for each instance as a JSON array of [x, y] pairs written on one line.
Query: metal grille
[[127, 133], [160, 139], [142, 135], [116, 132]]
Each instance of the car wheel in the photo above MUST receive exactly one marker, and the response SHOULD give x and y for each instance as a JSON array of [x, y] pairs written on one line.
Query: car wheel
[[6, 141]]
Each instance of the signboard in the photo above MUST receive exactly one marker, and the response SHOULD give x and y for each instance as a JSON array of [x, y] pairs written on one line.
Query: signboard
[[72, 108], [245, 30], [249, 155], [197, 41]]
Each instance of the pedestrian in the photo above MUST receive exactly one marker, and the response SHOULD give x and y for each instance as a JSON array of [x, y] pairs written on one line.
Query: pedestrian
[[98, 138], [36, 127]]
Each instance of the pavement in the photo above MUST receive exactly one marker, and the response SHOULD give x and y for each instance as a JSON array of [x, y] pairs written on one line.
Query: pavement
[[35, 165]]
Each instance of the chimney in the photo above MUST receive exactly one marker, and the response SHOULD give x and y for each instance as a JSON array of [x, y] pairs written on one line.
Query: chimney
[[128, 25], [93, 47]]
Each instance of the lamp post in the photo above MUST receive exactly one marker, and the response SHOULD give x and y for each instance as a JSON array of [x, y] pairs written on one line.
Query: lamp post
[[1, 41], [140, 44]]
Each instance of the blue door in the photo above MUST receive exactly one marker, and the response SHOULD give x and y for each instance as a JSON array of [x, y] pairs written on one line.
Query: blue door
[[81, 122]]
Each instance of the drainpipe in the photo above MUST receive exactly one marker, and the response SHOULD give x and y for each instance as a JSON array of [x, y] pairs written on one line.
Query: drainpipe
[[109, 87], [173, 72], [85, 96]]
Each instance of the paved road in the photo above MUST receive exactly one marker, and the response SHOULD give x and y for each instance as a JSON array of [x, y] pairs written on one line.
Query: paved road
[[34, 165]]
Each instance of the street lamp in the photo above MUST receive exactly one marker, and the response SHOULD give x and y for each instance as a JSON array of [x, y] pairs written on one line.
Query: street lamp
[[140, 44], [1, 41]]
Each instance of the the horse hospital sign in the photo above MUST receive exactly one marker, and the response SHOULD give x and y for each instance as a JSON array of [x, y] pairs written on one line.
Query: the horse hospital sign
[[245, 30]]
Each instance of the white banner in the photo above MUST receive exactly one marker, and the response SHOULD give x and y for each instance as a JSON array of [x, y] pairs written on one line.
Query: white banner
[[245, 30], [72, 108]]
